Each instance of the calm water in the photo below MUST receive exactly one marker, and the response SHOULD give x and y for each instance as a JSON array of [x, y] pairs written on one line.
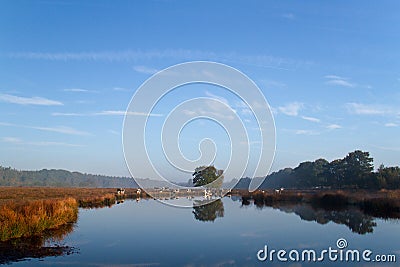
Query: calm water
[[225, 233]]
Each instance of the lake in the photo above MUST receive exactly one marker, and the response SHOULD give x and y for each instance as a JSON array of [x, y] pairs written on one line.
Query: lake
[[227, 232]]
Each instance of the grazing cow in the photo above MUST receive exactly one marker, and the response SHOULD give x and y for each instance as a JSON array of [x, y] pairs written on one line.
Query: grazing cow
[[279, 191], [120, 191]]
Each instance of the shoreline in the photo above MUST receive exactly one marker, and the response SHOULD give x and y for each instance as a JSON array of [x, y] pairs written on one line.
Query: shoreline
[[29, 211]]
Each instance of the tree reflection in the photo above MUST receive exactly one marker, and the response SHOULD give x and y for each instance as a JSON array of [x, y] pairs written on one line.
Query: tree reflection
[[208, 211], [353, 217], [36, 247]]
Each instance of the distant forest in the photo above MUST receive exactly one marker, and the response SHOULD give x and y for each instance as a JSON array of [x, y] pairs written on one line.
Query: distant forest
[[355, 171], [60, 178]]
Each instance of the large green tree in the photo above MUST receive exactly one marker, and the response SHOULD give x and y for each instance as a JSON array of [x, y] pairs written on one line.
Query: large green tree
[[207, 176], [359, 168]]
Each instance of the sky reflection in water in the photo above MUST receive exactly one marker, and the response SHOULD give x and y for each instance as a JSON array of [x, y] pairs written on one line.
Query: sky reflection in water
[[225, 233]]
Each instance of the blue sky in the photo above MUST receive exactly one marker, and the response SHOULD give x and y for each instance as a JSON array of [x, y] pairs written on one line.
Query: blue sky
[[68, 69]]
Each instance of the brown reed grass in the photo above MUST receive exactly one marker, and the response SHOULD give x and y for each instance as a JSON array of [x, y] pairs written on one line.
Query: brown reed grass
[[33, 217]]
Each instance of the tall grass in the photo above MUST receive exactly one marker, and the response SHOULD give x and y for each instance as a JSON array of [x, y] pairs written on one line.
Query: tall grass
[[97, 201], [31, 218]]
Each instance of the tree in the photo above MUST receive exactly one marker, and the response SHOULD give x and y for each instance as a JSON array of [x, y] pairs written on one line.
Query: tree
[[388, 177], [336, 173], [311, 174], [208, 176], [358, 167]]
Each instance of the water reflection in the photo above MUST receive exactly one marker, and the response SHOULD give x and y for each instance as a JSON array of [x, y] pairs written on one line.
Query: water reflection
[[353, 217], [36, 247], [207, 211]]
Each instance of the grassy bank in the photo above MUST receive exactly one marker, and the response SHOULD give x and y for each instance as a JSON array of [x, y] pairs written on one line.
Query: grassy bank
[[33, 217], [28, 211]]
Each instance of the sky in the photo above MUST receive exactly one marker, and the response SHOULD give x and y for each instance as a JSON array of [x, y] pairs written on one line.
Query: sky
[[330, 72]]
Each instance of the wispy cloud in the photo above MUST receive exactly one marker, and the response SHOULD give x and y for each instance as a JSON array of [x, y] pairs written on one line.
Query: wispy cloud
[[260, 60], [333, 126], [291, 109], [338, 80], [18, 141], [69, 114], [220, 98], [208, 113], [312, 119], [387, 148], [366, 109], [79, 90], [391, 124], [114, 132], [107, 113], [272, 84], [60, 129], [123, 113], [56, 129], [145, 70], [218, 108], [75, 90], [29, 100], [306, 132], [13, 140], [121, 89], [334, 77]]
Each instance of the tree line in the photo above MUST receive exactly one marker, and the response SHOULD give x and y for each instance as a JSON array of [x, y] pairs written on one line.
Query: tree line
[[355, 171], [60, 178]]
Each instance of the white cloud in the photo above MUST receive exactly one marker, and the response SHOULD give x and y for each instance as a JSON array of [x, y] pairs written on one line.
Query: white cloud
[[387, 148], [341, 83], [391, 124], [75, 90], [310, 119], [72, 114], [335, 77], [60, 129], [120, 89], [272, 84], [291, 109], [145, 70], [214, 111], [48, 143], [57, 129], [123, 113], [338, 80], [29, 100], [220, 98], [265, 61], [107, 113], [363, 109], [114, 132], [13, 140], [18, 141], [189, 112], [333, 126], [305, 132]]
